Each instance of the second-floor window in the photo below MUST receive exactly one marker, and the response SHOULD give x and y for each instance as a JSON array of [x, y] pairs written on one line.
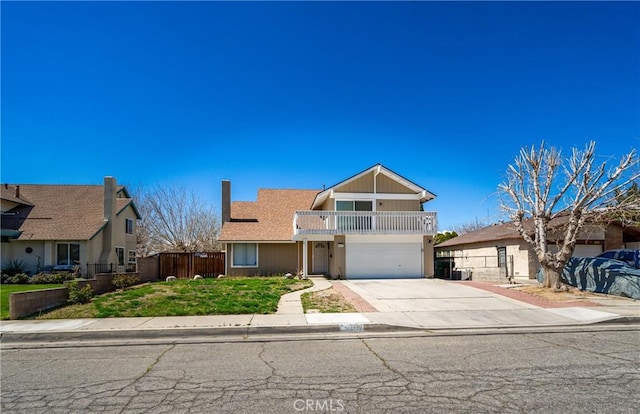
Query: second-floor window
[[128, 224], [354, 222]]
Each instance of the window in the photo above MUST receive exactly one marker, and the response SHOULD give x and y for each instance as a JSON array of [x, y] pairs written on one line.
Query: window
[[120, 255], [68, 254], [128, 224], [502, 257], [132, 256], [245, 255], [354, 222], [358, 205]]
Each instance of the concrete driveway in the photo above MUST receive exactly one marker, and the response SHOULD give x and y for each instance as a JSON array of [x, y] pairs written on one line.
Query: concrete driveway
[[415, 295], [434, 303]]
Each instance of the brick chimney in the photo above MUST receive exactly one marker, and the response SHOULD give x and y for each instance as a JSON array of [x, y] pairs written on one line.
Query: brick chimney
[[226, 201], [109, 212]]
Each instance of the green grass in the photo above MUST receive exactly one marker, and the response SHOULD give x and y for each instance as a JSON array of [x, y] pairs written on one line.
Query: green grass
[[6, 290], [226, 296]]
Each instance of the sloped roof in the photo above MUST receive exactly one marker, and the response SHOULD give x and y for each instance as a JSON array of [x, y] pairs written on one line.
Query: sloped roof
[[493, 232], [8, 192], [271, 215], [60, 212], [425, 195], [507, 231]]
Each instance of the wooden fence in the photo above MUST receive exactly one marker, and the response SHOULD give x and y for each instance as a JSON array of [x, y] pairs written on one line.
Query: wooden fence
[[187, 265]]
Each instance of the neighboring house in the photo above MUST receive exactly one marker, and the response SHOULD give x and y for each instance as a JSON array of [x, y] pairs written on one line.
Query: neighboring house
[[54, 227], [498, 252], [370, 225]]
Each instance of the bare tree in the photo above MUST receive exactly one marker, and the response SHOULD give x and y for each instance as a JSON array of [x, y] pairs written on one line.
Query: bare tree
[[175, 219], [541, 186], [470, 226]]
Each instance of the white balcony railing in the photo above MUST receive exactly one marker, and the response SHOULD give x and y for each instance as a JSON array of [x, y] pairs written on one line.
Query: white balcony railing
[[322, 222]]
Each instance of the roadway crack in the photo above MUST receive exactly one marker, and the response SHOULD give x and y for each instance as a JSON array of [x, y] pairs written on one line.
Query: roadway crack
[[142, 376]]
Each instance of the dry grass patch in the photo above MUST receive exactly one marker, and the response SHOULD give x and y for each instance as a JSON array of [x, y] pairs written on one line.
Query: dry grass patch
[[571, 295], [326, 301]]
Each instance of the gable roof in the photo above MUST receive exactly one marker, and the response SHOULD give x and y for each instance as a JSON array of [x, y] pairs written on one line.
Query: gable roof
[[506, 231], [376, 169], [61, 212], [503, 231], [269, 218], [10, 193]]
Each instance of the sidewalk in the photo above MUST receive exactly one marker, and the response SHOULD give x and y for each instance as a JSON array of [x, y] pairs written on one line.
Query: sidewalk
[[398, 305]]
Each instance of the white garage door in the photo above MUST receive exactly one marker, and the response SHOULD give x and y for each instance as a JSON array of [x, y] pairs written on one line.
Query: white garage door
[[383, 260]]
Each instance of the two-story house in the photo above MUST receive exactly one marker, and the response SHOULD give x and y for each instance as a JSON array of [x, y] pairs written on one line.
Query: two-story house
[[371, 225], [62, 227]]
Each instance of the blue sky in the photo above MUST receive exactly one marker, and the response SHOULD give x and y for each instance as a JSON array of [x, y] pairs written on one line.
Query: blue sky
[[300, 94]]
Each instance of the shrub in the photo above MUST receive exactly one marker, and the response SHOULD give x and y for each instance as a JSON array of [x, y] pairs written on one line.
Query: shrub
[[14, 267], [124, 281], [50, 278], [19, 279], [79, 295]]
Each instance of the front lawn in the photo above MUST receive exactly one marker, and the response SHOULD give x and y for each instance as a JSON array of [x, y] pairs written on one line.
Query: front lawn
[[6, 290], [226, 296]]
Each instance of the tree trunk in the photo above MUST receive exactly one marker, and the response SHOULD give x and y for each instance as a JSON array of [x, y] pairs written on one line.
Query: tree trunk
[[552, 278]]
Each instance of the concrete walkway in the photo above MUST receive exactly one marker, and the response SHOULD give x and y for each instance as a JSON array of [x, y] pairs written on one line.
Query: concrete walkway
[[291, 303], [401, 304]]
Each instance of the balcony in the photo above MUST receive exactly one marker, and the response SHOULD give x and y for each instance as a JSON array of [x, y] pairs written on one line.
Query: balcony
[[322, 223]]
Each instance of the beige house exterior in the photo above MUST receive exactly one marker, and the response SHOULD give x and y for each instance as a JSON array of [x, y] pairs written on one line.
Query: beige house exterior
[[370, 225], [497, 252], [54, 227]]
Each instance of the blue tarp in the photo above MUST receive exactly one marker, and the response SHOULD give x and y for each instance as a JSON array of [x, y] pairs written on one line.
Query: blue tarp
[[596, 274]]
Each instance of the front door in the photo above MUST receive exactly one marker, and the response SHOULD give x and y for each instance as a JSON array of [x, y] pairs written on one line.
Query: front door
[[321, 258]]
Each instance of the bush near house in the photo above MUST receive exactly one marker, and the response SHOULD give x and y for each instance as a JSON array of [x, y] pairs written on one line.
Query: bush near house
[[78, 295], [124, 281], [13, 267], [39, 279]]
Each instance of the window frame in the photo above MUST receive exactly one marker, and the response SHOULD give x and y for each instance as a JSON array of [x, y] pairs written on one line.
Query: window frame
[[233, 256], [127, 226], [122, 249], [69, 258]]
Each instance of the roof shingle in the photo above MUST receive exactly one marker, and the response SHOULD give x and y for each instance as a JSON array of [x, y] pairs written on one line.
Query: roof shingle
[[272, 215], [59, 212]]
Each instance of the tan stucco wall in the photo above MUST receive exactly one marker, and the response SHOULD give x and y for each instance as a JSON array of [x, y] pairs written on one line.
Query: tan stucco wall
[[363, 184], [483, 258], [120, 236], [427, 248], [45, 250], [273, 259], [385, 184], [16, 250], [337, 258]]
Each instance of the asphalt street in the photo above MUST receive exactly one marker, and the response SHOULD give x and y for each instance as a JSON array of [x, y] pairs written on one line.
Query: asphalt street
[[563, 372]]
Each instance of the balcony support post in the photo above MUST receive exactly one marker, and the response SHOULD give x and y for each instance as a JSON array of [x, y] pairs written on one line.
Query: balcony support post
[[305, 258]]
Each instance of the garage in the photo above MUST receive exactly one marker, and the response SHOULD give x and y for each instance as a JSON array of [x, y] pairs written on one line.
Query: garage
[[377, 259]]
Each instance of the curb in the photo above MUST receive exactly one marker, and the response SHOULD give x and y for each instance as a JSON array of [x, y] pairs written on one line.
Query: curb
[[345, 330], [211, 333]]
